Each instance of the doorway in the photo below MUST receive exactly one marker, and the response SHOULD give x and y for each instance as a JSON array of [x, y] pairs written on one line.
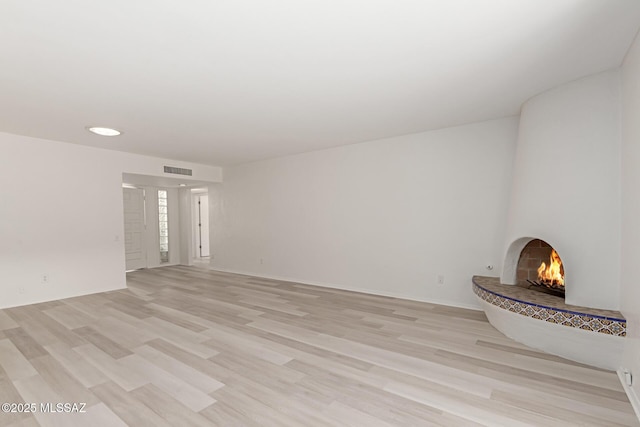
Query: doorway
[[166, 221], [134, 229], [151, 226], [201, 225]]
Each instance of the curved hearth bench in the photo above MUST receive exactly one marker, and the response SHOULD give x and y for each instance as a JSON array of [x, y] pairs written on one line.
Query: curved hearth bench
[[587, 335]]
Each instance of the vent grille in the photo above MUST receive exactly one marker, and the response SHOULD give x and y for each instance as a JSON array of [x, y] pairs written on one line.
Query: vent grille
[[178, 171]]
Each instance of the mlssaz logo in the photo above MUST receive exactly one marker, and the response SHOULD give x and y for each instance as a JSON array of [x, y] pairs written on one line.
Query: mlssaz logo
[[63, 407]]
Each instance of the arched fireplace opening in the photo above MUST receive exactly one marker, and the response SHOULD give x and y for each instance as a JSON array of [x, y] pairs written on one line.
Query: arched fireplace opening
[[540, 268]]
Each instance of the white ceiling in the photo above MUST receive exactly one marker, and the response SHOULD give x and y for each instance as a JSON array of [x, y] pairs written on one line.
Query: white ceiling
[[230, 81]]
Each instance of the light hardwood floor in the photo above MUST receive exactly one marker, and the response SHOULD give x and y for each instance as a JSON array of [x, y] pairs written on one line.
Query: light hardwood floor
[[190, 347]]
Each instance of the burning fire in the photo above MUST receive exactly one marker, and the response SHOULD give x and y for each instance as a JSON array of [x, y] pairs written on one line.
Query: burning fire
[[553, 274]]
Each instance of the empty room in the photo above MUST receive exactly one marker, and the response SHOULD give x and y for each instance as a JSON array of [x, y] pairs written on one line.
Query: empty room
[[320, 213]]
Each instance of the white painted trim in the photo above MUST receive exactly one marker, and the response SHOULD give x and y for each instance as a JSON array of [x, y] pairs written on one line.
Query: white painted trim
[[353, 289], [166, 264], [63, 296], [631, 393]]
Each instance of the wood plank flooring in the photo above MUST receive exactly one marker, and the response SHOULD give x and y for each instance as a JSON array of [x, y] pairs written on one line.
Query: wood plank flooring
[[184, 346]]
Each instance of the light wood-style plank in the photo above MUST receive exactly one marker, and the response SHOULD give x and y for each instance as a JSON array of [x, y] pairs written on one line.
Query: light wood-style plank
[[82, 370], [186, 373], [13, 361], [116, 370], [174, 412], [128, 407], [105, 344], [6, 322], [25, 343], [192, 347]]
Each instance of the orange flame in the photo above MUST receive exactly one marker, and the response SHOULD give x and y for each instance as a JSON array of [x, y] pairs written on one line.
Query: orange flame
[[553, 274]]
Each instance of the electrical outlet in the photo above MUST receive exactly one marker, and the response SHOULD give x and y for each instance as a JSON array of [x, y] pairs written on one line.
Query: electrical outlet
[[261, 260], [21, 290], [45, 278], [440, 279]]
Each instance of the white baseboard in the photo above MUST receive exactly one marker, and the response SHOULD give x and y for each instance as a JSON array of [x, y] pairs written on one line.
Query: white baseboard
[[354, 289], [631, 393]]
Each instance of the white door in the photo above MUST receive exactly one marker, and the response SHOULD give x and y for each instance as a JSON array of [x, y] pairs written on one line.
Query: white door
[[203, 225], [135, 254]]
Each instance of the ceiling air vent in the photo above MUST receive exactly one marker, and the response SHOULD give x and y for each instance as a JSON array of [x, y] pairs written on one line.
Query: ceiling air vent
[[178, 171]]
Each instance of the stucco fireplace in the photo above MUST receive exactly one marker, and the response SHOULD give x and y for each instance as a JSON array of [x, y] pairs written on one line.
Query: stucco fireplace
[[564, 197]]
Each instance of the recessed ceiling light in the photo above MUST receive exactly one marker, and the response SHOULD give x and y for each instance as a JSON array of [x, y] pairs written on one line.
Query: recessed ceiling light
[[103, 131]]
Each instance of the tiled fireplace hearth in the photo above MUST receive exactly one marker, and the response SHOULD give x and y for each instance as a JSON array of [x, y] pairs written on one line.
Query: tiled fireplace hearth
[[587, 335], [549, 308]]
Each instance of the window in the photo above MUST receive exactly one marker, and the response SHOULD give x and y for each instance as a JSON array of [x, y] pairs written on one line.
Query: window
[[163, 220]]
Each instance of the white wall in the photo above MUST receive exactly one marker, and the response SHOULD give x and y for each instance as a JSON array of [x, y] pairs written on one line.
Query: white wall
[[630, 290], [61, 215], [385, 216], [566, 186]]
